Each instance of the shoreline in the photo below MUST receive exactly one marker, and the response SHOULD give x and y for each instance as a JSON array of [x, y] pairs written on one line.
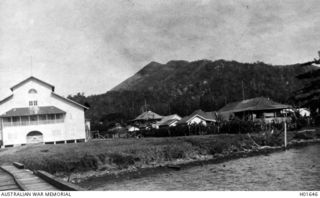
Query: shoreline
[[88, 164], [95, 181]]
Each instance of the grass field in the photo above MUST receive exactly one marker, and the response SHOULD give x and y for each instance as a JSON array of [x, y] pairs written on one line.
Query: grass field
[[120, 154]]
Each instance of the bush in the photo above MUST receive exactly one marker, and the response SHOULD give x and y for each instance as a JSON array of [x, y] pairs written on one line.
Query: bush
[[89, 161], [122, 161], [173, 152], [217, 148], [302, 136]]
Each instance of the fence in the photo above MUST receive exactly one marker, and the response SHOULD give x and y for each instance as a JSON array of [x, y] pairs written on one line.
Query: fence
[[227, 127]]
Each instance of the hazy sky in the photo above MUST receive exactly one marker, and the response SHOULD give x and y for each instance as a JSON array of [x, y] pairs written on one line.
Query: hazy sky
[[91, 46]]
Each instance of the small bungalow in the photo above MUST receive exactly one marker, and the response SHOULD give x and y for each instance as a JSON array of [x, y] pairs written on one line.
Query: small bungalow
[[255, 109], [117, 131], [199, 117], [169, 121], [147, 119]]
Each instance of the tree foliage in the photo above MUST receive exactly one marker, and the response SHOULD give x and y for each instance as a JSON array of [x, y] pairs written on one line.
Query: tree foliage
[[182, 87], [309, 95]]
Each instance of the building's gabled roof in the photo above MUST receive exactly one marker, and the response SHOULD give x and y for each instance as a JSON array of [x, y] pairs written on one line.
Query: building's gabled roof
[[26, 111], [148, 115], [32, 78], [254, 104], [206, 116], [186, 119], [168, 122], [6, 99], [68, 100], [209, 116], [46, 84], [168, 118]]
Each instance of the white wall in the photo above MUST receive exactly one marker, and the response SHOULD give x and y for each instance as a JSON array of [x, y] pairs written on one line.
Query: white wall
[[74, 124], [18, 134], [197, 120]]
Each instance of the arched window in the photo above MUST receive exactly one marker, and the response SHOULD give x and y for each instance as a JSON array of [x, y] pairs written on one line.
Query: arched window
[[32, 91]]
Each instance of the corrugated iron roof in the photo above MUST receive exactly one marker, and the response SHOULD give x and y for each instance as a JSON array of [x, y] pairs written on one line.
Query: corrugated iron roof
[[148, 115], [26, 111], [167, 118], [207, 116], [254, 104], [168, 122]]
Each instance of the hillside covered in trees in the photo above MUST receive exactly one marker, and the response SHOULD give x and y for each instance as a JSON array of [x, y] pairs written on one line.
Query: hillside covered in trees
[[182, 87], [309, 95]]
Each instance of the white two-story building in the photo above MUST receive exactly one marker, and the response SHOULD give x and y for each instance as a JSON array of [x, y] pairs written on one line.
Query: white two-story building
[[34, 113]]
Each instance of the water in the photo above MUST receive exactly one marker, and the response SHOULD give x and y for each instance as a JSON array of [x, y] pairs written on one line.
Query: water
[[295, 169]]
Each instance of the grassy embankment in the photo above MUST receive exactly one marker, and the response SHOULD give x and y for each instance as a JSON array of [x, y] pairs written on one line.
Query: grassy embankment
[[118, 155]]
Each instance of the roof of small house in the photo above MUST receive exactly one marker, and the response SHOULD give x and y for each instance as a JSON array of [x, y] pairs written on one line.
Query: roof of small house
[[148, 115], [168, 122], [187, 118], [165, 119], [26, 111], [32, 78], [253, 104], [207, 116]]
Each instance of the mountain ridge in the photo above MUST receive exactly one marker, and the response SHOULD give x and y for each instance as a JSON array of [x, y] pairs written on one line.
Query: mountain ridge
[[181, 87], [150, 72]]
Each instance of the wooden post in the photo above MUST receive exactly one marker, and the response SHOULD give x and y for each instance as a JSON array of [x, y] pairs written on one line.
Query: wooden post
[[285, 134]]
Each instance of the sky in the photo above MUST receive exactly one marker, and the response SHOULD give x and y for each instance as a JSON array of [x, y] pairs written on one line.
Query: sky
[[90, 46]]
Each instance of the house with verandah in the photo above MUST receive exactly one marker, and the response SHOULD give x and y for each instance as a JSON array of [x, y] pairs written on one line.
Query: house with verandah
[[258, 109]]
